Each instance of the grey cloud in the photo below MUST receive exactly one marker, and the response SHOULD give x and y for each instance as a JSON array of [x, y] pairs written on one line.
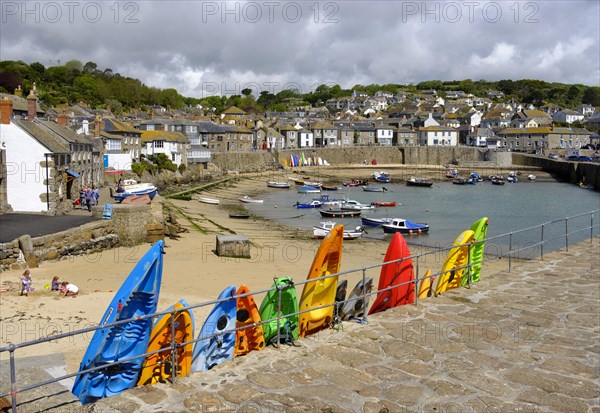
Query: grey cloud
[[189, 45]]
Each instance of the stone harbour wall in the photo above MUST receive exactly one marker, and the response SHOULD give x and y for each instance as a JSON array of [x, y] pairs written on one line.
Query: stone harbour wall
[[130, 225]]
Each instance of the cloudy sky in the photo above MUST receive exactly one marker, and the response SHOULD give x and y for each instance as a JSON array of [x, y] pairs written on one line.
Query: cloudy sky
[[215, 47]]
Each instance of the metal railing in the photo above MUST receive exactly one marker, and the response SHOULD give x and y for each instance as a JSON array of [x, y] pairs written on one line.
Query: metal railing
[[569, 232]]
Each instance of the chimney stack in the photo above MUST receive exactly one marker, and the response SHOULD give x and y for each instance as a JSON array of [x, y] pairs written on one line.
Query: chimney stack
[[97, 128], [19, 92], [61, 119], [32, 104], [6, 109]]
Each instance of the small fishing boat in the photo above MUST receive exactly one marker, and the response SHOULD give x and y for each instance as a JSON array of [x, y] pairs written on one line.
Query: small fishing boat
[[315, 184], [371, 188], [326, 226], [460, 181], [330, 188], [352, 205], [239, 216], [355, 182], [307, 189], [298, 182], [412, 181], [531, 177], [498, 181], [246, 199], [451, 173], [375, 222], [311, 204], [383, 178], [208, 200], [276, 184], [384, 203], [339, 213], [139, 189], [512, 179], [404, 226]]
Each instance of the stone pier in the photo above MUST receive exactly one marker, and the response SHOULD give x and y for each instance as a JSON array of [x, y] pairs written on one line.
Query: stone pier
[[524, 341]]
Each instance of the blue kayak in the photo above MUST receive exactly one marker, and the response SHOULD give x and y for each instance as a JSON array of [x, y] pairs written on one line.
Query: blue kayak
[[138, 296], [210, 351]]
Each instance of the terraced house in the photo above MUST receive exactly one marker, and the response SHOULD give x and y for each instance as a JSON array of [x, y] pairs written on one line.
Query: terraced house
[[532, 139], [45, 162], [172, 144]]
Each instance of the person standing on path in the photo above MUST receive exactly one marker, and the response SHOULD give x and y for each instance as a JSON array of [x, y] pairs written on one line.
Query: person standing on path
[[89, 198]]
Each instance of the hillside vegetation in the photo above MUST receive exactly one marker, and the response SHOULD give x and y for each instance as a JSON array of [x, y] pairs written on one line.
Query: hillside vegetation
[[76, 82]]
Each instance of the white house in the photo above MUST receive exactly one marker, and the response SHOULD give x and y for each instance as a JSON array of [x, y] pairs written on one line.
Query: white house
[[568, 116], [32, 157], [305, 138], [479, 137], [172, 144], [438, 136], [384, 135]]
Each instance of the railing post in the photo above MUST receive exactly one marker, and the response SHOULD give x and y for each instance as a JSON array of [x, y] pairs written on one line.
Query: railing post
[[174, 371], [13, 378], [364, 280], [470, 264], [592, 227], [279, 288], [567, 234], [509, 251], [542, 244], [416, 283]]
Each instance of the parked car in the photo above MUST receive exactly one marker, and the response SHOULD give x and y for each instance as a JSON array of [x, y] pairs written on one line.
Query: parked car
[[584, 159], [552, 155]]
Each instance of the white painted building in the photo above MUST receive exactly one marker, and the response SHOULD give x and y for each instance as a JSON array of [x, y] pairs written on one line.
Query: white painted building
[[305, 138], [172, 144], [568, 116], [384, 135], [438, 136]]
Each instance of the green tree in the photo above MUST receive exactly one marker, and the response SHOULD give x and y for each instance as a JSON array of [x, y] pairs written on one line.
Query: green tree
[[246, 92], [74, 66], [591, 97]]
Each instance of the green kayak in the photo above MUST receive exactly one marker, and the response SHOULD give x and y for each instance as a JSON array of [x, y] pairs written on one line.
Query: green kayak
[[288, 324]]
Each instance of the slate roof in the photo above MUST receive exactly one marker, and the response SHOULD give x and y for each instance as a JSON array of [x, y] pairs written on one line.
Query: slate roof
[[20, 103], [155, 135], [113, 125], [53, 143]]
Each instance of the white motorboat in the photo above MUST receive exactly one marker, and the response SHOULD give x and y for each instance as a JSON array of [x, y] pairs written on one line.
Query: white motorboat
[[208, 200], [351, 205], [276, 184], [326, 226], [246, 199]]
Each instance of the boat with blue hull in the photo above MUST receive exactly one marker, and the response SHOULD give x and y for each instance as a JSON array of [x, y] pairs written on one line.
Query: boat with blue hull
[[312, 204], [215, 347], [136, 189], [137, 297]]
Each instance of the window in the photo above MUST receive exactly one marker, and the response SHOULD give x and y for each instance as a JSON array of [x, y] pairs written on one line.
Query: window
[[159, 144], [435, 142]]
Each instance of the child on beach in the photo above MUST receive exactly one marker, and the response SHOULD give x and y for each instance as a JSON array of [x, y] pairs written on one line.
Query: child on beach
[[69, 289], [55, 284], [26, 287]]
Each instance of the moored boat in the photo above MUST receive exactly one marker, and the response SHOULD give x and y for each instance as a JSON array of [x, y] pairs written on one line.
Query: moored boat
[[383, 178], [246, 199], [307, 189], [325, 228], [375, 222], [205, 200], [371, 188], [239, 216], [384, 203], [404, 226], [276, 184], [339, 213], [352, 205], [355, 182], [329, 187], [312, 204], [412, 181], [138, 189]]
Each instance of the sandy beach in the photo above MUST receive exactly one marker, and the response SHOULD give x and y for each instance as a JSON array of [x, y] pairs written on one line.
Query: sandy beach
[[192, 271]]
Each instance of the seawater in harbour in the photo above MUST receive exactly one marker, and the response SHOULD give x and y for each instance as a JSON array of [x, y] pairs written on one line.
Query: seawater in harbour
[[450, 209]]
